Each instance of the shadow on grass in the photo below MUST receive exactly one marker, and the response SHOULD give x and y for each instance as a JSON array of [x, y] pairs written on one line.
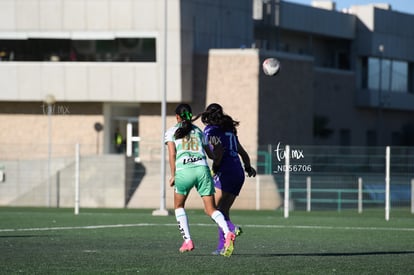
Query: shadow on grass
[[342, 254], [23, 236]]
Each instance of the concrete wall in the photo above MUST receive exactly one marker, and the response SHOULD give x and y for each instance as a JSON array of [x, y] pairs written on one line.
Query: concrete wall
[[24, 129], [81, 81], [336, 98], [377, 26], [232, 77], [82, 15], [232, 26], [91, 19], [102, 182], [306, 19]]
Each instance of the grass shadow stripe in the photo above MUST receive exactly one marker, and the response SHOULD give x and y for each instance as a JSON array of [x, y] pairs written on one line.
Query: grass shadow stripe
[[331, 254]]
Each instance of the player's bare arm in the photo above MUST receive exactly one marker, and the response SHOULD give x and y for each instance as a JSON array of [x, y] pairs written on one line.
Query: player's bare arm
[[251, 172], [171, 155]]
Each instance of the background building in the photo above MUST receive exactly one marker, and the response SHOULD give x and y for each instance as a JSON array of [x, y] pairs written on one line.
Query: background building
[[361, 72], [346, 78]]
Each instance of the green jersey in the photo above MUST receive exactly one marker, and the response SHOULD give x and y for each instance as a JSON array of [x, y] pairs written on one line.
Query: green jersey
[[190, 151]]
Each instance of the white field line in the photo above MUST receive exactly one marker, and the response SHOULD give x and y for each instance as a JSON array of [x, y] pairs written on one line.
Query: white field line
[[201, 224]]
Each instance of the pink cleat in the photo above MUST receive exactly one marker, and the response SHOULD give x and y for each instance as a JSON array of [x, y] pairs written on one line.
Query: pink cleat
[[187, 246], [229, 244]]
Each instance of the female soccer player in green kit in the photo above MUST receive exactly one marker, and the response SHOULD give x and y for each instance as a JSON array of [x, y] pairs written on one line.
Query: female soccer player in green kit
[[187, 150]]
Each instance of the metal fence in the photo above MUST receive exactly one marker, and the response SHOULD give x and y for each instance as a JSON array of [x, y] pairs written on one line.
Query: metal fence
[[320, 177], [335, 177], [41, 176]]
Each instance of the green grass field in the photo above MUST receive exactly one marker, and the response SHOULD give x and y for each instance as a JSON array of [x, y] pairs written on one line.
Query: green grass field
[[107, 241]]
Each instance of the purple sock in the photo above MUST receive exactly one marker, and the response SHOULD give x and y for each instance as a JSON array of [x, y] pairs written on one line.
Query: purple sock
[[221, 239], [230, 225]]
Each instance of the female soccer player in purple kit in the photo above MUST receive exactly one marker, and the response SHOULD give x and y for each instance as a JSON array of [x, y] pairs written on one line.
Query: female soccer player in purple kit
[[229, 177]]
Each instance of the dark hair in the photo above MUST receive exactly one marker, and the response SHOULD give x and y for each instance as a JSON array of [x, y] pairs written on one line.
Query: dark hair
[[185, 113], [214, 115]]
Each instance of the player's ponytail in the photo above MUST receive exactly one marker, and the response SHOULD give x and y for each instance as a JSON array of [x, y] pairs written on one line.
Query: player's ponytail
[[185, 113]]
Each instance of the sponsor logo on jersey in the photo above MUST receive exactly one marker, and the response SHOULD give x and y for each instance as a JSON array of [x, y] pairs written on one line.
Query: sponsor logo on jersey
[[191, 160]]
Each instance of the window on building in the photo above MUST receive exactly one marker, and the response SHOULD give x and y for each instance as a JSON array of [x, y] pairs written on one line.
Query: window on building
[[396, 138], [392, 73], [364, 73], [343, 61], [399, 76], [344, 137], [371, 138], [115, 50], [411, 78]]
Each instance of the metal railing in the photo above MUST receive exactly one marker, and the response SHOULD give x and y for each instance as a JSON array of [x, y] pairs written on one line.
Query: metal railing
[[334, 172]]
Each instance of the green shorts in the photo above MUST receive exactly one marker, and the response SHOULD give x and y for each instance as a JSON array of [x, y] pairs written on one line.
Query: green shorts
[[198, 177]]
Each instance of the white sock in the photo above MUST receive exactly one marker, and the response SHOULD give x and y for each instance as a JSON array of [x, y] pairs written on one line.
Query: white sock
[[218, 217], [182, 221]]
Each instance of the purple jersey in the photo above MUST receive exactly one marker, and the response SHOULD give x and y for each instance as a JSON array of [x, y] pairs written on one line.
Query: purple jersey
[[229, 142], [230, 175]]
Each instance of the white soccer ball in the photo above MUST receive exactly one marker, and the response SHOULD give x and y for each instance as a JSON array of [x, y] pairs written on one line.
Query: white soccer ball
[[271, 66]]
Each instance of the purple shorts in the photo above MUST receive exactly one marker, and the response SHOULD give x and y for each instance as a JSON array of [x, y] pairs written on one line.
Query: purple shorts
[[230, 181]]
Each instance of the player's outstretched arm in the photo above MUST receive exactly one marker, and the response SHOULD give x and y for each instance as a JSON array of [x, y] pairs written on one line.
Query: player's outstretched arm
[[251, 172]]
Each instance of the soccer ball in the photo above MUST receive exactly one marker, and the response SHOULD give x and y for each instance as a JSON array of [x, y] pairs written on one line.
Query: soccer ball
[[271, 66]]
